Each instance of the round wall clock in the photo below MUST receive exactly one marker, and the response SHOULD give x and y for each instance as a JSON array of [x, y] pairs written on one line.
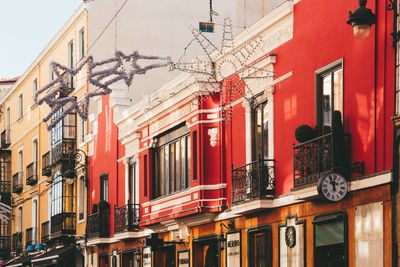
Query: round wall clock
[[332, 186], [290, 236]]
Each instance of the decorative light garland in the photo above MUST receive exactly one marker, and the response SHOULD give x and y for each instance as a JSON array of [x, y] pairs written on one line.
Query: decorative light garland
[[231, 81], [125, 67]]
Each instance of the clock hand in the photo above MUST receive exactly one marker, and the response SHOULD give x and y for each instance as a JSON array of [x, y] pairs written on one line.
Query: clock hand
[[333, 183]]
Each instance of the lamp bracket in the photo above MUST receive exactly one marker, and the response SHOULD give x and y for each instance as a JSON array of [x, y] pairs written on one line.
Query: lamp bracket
[[392, 6]]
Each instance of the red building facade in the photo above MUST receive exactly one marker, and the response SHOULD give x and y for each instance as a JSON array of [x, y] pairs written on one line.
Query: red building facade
[[228, 184]]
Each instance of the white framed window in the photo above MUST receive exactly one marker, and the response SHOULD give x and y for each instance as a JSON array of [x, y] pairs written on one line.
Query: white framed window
[[81, 43], [81, 201], [34, 89], [20, 106]]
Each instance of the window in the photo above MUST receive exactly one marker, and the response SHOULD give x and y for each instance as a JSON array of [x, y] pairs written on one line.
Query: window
[[34, 221], [132, 181], [330, 241], [56, 194], [81, 198], [172, 162], [145, 177], [20, 166], [35, 156], [71, 63], [51, 73], [82, 43], [104, 186], [260, 132], [20, 106], [34, 89], [19, 220], [8, 123], [82, 135], [329, 86], [259, 246]]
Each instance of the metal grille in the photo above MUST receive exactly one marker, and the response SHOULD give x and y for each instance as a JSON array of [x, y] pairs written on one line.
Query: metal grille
[[253, 180]]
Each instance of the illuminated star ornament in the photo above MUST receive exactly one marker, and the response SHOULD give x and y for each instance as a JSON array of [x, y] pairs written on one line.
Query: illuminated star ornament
[[100, 74], [224, 68]]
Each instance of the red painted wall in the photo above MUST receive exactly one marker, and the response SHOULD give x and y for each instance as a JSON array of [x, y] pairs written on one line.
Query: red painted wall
[[321, 36], [107, 151]]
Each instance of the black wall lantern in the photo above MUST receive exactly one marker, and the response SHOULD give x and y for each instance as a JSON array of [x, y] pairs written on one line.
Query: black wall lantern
[[362, 19]]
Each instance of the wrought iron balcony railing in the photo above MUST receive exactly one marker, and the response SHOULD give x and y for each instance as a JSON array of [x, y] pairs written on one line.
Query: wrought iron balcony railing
[[126, 218], [17, 182], [31, 174], [30, 237], [17, 242], [61, 151], [98, 224], [46, 164], [63, 224], [45, 232], [5, 138], [253, 180], [319, 156]]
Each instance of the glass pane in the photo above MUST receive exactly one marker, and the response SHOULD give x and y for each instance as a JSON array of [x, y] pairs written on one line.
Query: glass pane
[[183, 162], [260, 251], [338, 90], [258, 133], [329, 233], [265, 132], [166, 172], [178, 165], [188, 161], [161, 180], [326, 101], [172, 168]]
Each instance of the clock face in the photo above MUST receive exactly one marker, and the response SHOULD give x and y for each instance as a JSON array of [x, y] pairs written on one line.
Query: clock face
[[333, 187]]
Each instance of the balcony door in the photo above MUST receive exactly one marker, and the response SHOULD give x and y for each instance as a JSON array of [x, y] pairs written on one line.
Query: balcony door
[[260, 141]]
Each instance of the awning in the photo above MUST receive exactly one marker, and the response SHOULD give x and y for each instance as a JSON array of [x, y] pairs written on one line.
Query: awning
[[56, 257], [21, 261]]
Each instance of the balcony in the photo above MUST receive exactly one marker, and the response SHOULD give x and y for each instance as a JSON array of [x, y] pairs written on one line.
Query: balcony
[[45, 232], [5, 138], [61, 151], [255, 180], [63, 224], [46, 164], [30, 235], [126, 218], [98, 224], [5, 187], [69, 81], [320, 156], [17, 182], [17, 242], [31, 174]]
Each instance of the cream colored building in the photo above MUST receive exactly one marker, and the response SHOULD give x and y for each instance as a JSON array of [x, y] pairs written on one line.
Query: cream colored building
[[47, 208]]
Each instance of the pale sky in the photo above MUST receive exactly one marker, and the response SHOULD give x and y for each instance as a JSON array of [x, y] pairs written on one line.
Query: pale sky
[[26, 26]]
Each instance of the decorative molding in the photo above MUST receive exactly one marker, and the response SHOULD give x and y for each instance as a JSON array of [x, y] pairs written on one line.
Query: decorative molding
[[212, 132], [183, 193]]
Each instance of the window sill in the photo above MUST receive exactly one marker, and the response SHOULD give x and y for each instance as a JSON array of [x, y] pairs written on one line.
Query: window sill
[[167, 197], [20, 118]]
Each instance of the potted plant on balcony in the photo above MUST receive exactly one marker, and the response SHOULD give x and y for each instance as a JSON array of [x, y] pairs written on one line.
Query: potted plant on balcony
[[304, 133]]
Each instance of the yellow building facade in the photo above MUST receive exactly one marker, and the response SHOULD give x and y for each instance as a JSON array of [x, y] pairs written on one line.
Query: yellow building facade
[[48, 209]]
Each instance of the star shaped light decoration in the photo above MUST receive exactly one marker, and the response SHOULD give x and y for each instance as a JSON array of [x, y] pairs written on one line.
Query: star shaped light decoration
[[228, 75], [100, 74]]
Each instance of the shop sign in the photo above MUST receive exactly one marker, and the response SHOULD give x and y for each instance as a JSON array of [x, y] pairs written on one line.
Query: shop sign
[[233, 249], [147, 257], [184, 258]]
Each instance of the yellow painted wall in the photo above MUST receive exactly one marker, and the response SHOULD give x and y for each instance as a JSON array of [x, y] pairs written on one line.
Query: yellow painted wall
[[30, 126]]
